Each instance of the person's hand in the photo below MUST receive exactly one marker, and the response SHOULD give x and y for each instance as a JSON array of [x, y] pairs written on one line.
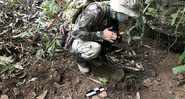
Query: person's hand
[[121, 34], [109, 35]]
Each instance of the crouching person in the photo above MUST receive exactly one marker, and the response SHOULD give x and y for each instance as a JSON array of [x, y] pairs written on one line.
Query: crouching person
[[94, 27]]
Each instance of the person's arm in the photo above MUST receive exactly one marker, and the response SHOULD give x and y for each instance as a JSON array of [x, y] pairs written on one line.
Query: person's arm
[[87, 20]]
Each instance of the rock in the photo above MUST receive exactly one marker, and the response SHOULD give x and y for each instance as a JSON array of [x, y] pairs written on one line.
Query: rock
[[103, 94], [16, 91], [118, 75], [95, 97], [4, 97], [147, 82]]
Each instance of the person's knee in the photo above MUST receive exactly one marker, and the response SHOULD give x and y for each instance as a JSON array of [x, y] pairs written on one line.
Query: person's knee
[[86, 50], [94, 53]]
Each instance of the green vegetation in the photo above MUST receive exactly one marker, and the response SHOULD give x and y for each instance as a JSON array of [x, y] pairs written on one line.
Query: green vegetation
[[7, 64], [103, 80]]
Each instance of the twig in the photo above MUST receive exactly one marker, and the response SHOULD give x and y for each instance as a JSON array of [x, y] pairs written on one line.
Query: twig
[[94, 80], [148, 5], [147, 46], [121, 66]]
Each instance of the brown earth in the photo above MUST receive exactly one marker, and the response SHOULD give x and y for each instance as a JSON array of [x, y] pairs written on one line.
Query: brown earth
[[60, 78]]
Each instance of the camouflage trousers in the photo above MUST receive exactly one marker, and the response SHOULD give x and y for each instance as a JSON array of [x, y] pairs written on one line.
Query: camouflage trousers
[[86, 50]]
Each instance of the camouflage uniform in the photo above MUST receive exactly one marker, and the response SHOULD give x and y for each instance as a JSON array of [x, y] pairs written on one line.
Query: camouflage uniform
[[88, 30]]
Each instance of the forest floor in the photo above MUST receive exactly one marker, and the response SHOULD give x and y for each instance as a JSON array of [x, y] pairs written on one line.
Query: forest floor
[[60, 78]]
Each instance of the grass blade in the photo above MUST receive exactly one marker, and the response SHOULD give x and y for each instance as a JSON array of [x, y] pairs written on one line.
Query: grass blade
[[178, 69], [182, 57]]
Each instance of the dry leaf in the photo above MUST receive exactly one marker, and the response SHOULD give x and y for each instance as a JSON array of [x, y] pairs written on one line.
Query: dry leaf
[[43, 95], [33, 79], [21, 83], [18, 66], [16, 91]]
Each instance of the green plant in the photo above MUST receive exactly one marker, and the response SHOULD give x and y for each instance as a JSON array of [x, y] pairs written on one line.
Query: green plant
[[12, 3], [49, 46], [177, 19], [182, 57], [7, 64], [180, 69], [178, 16], [136, 32], [152, 12], [103, 80], [50, 9]]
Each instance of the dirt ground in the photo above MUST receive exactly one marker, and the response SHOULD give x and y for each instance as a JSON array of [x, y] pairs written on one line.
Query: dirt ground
[[59, 78]]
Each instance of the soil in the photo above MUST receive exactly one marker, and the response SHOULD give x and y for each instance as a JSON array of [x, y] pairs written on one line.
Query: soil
[[60, 78]]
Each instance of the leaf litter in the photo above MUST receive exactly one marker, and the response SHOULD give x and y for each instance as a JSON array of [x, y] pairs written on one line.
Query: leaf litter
[[22, 30]]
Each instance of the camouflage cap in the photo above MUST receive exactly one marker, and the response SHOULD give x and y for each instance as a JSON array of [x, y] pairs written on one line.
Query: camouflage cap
[[128, 7]]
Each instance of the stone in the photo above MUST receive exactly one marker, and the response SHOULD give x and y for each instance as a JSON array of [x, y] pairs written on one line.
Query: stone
[[95, 97], [103, 94], [4, 97], [118, 75]]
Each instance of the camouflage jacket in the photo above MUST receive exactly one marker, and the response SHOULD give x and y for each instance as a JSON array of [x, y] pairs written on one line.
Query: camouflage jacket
[[90, 24]]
